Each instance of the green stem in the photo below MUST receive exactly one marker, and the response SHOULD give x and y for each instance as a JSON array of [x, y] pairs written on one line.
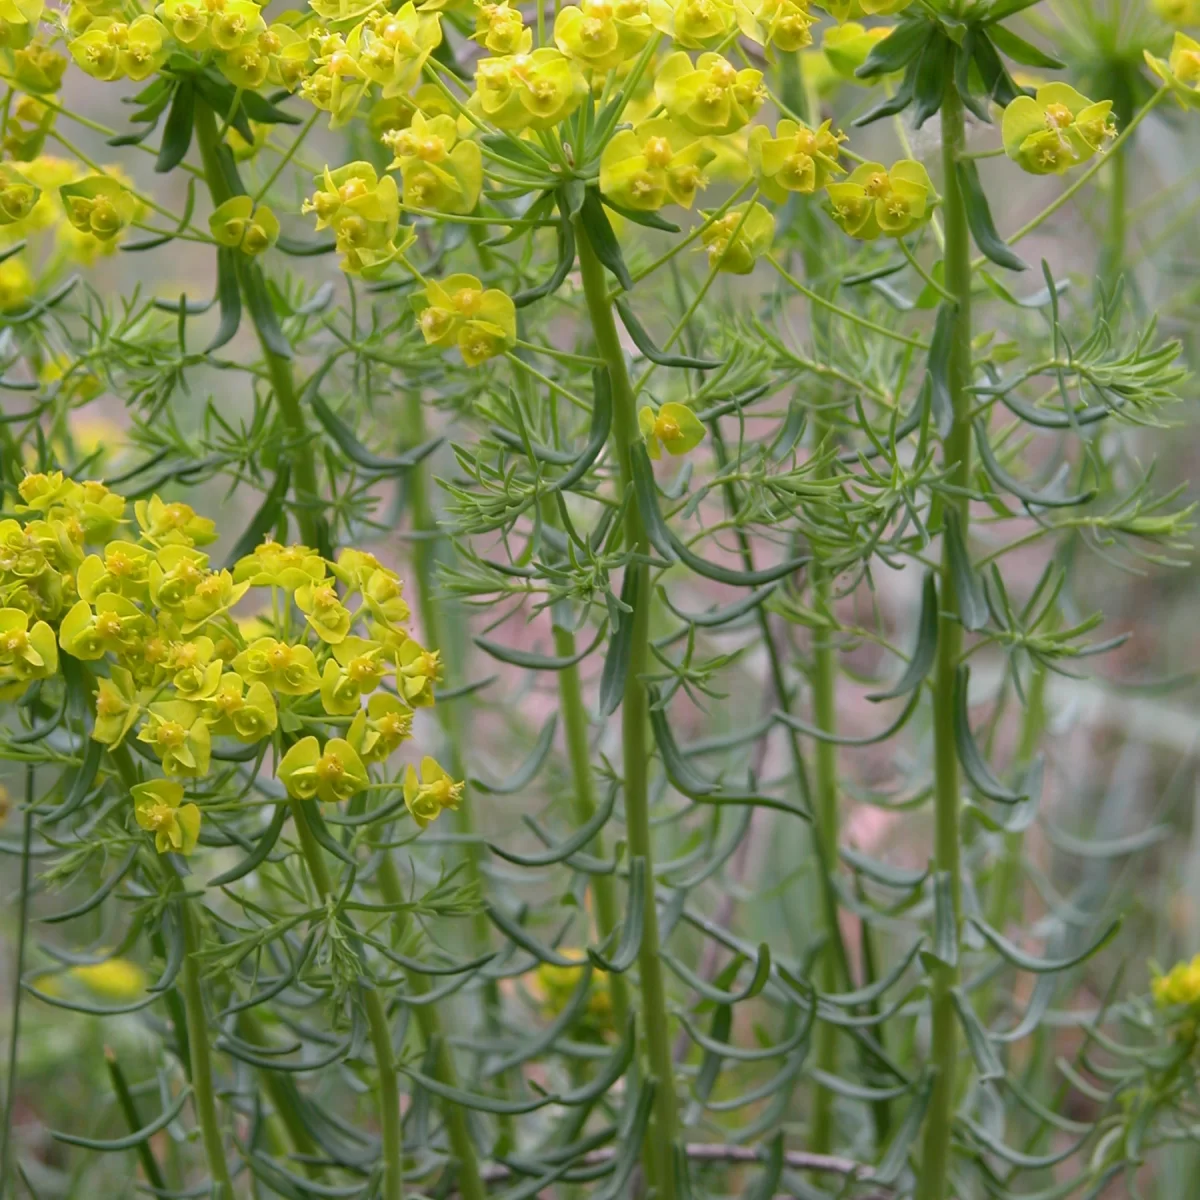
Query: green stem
[[469, 1182], [1002, 891], [203, 1096], [388, 1091], [658, 1153], [129, 1110], [583, 794], [957, 462], [279, 368], [823, 679], [437, 631], [14, 1032], [1112, 261]]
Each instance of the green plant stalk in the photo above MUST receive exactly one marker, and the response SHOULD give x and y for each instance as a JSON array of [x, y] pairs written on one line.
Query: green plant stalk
[[196, 1019], [436, 630], [203, 1096], [388, 1089], [1008, 869], [823, 679], [658, 1152], [283, 1098], [468, 1182], [279, 369], [583, 795], [1112, 260], [935, 1156], [129, 1110], [14, 1032]]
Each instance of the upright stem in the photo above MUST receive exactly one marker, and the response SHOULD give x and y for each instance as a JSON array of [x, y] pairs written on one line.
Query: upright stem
[[279, 368], [202, 1075], [957, 461], [825, 804], [658, 1153], [1112, 261], [583, 797], [388, 1089], [469, 1183], [14, 1033]]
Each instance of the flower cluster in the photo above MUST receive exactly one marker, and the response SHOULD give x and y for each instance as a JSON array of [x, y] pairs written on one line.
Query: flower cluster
[[1180, 985], [1055, 130], [175, 669], [460, 311]]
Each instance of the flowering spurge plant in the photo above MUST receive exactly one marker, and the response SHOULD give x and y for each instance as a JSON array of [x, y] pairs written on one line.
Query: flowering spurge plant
[[680, 971]]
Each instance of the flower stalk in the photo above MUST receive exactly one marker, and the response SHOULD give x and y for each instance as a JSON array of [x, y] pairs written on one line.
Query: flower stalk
[[656, 1047], [956, 448]]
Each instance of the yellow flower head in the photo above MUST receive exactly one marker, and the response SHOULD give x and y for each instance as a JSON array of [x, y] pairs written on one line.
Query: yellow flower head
[[736, 240], [796, 159], [332, 775], [675, 428], [1056, 130], [430, 791], [710, 98], [158, 808], [653, 164], [877, 200], [460, 311]]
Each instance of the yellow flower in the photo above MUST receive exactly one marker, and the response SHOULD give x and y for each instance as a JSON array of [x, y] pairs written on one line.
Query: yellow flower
[[736, 240], [875, 200], [695, 23], [178, 734], [460, 311], [381, 729], [712, 97], [332, 775], [1056, 130], [527, 91], [418, 670], [25, 654], [430, 791], [173, 524], [16, 284], [601, 35], [158, 809], [1178, 12], [438, 170], [848, 46], [675, 429], [796, 159], [111, 49], [287, 670], [233, 710], [1180, 985], [244, 226], [273, 565], [653, 164], [114, 979]]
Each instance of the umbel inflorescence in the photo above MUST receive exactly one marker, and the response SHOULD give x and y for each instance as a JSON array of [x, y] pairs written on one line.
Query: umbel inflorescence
[[181, 655]]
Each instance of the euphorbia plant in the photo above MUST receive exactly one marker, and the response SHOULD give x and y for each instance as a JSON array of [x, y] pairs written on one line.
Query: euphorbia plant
[[221, 757]]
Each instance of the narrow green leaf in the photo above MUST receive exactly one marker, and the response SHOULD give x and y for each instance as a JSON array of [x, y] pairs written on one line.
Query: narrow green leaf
[[99, 895], [528, 770], [885, 874], [895, 1159], [768, 1181], [645, 343], [1003, 479], [563, 850], [907, 39], [229, 297], [632, 924], [937, 368], [630, 1139], [128, 1106], [354, 450], [262, 847], [968, 587], [929, 78], [539, 662], [616, 661], [134, 1139], [987, 1061], [262, 311], [836, 739], [177, 132], [974, 765], [1021, 51], [671, 548], [997, 82], [1043, 966], [921, 659], [945, 921], [566, 260], [604, 241], [979, 218]]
